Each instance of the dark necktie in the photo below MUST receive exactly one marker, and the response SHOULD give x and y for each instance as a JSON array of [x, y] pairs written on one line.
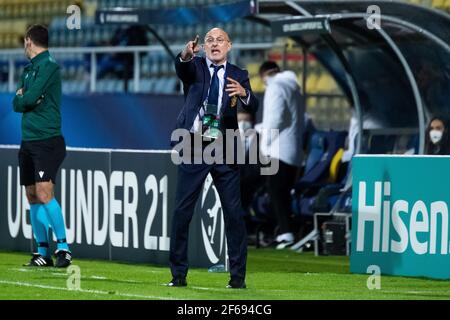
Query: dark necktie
[[213, 97]]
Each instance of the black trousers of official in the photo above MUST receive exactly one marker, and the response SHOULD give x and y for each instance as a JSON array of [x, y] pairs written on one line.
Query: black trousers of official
[[279, 187], [226, 179]]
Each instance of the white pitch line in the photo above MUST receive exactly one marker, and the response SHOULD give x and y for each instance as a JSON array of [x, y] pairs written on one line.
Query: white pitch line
[[423, 293], [212, 289], [63, 274], [129, 295], [261, 290], [105, 278], [418, 292], [34, 269]]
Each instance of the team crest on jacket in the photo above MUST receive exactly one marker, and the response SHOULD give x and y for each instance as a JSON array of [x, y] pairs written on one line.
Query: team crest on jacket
[[233, 101]]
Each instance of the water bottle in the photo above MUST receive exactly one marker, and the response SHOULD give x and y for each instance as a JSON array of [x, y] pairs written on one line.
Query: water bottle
[[217, 268]]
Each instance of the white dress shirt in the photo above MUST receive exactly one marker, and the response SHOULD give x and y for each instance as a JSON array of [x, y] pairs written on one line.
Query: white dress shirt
[[221, 75]]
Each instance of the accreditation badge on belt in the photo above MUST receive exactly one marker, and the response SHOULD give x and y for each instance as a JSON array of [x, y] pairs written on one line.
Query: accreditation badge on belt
[[210, 122]]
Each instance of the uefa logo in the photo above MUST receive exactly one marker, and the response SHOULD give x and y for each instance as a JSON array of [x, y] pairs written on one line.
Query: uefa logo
[[212, 224]]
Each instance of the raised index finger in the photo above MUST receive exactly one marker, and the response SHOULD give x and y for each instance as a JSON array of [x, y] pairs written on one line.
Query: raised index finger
[[197, 37]]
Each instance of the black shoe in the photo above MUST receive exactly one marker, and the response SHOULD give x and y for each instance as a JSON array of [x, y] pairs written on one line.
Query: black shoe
[[39, 261], [63, 258], [236, 284], [177, 282]]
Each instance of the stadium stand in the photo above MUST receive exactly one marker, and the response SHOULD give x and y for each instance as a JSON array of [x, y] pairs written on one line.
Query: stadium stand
[[326, 103]]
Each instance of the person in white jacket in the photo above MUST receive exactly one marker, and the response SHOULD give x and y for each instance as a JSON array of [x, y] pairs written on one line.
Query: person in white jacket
[[284, 110]]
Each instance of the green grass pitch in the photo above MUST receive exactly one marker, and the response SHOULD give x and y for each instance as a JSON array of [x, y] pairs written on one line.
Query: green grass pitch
[[271, 275]]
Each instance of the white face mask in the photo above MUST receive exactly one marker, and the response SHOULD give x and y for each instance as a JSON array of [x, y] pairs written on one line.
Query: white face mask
[[244, 125], [435, 136], [268, 80]]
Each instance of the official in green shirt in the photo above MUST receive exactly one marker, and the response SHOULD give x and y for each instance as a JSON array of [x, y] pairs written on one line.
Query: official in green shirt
[[43, 148], [39, 98]]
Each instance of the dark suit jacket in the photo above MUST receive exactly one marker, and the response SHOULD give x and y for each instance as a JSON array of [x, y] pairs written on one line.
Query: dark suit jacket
[[196, 78]]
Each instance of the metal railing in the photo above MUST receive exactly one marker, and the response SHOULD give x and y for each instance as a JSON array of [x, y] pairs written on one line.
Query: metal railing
[[13, 55]]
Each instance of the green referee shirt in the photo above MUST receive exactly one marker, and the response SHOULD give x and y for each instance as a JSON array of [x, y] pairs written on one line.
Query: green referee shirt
[[41, 99]]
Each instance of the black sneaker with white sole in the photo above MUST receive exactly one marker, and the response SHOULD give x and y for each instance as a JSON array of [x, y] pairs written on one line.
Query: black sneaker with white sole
[[38, 260], [63, 258]]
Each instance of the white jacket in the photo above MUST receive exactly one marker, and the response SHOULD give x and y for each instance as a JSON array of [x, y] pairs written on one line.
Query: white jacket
[[353, 130], [284, 110]]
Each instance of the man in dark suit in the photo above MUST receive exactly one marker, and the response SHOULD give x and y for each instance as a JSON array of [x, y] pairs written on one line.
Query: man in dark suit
[[218, 84]]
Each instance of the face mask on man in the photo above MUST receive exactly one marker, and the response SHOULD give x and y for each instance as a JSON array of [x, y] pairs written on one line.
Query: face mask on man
[[244, 125], [267, 80], [435, 136]]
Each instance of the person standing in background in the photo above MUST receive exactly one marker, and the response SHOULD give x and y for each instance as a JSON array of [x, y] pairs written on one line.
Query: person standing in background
[[437, 141], [284, 110], [43, 148]]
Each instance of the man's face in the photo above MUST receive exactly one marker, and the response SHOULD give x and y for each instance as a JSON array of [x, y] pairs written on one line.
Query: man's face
[[26, 46], [264, 77], [243, 116], [245, 122], [217, 45]]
